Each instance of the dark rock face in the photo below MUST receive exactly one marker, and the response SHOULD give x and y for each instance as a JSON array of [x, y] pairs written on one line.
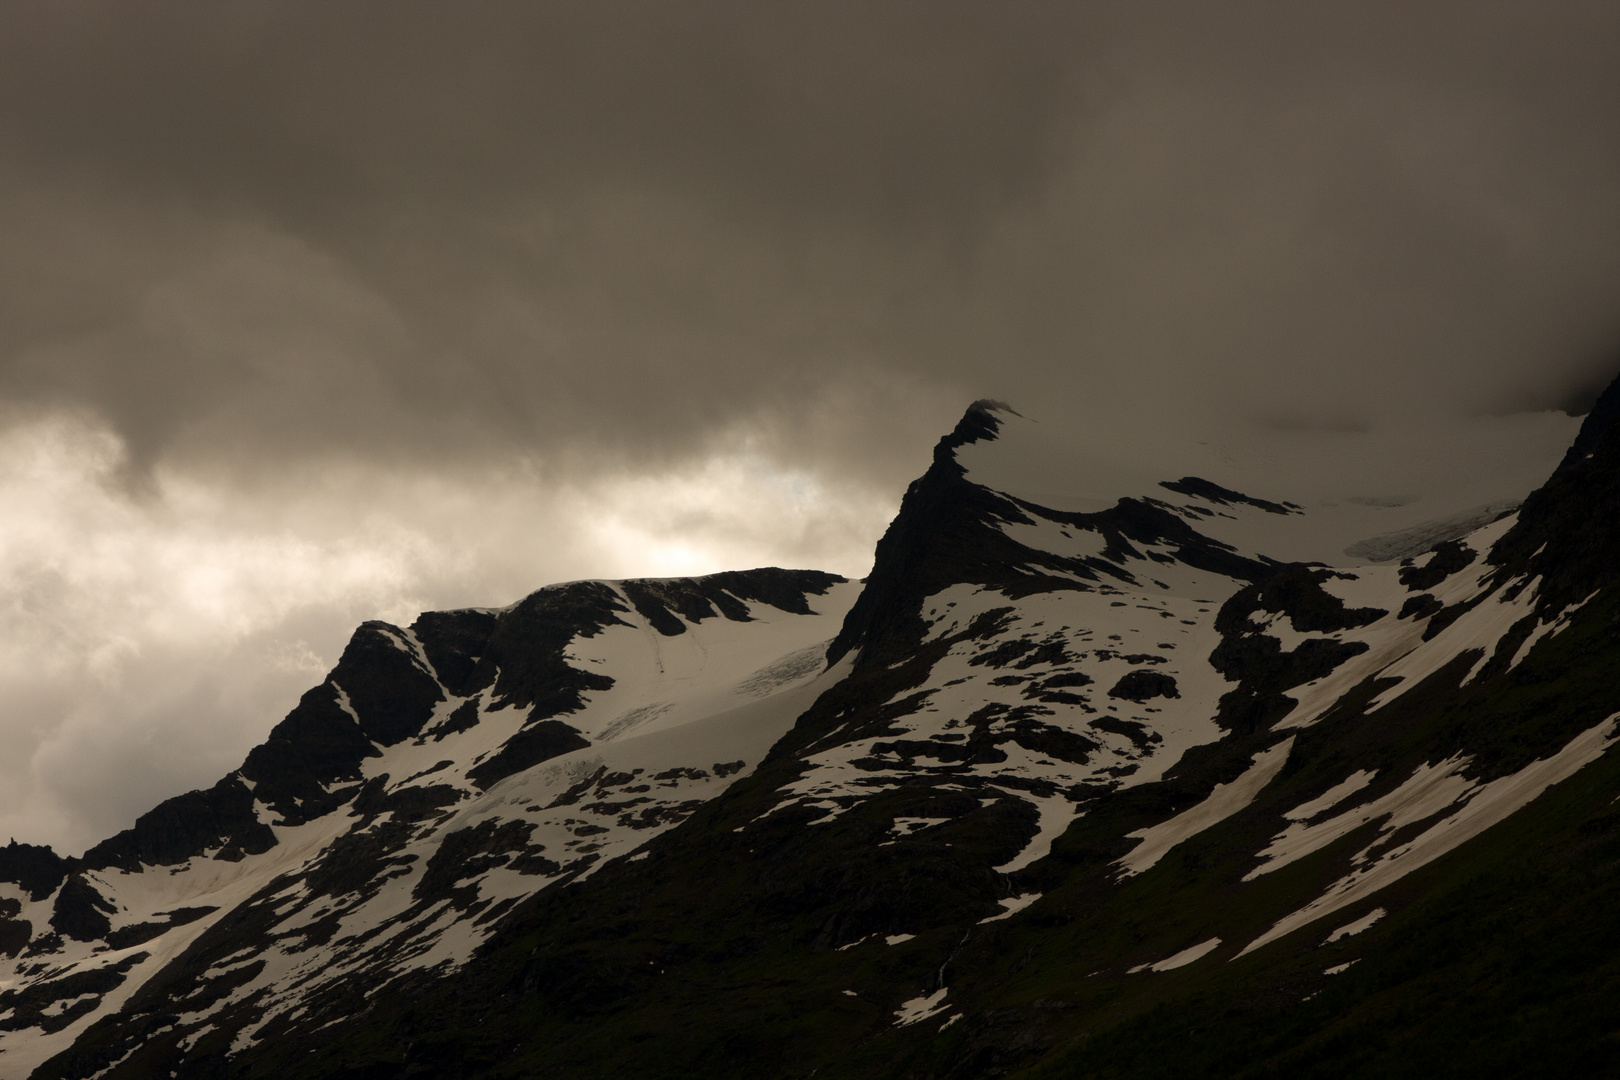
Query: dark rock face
[[938, 537], [1295, 592], [27, 1008], [81, 912], [453, 642], [318, 744], [523, 658], [463, 718], [39, 870], [1140, 686], [1147, 521], [469, 852], [1256, 660], [408, 805], [1568, 531], [1443, 561], [390, 690], [669, 604], [380, 693], [187, 825], [140, 933], [528, 748], [1204, 489], [1421, 606], [14, 934]]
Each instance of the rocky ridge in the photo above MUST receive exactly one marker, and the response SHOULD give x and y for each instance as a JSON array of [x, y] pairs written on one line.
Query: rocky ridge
[[1047, 786]]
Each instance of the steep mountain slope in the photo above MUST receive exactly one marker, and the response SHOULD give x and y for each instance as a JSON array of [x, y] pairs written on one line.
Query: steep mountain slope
[[1104, 788], [398, 811]]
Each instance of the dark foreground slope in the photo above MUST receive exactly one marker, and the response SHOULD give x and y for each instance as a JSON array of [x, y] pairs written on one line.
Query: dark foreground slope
[[1088, 795]]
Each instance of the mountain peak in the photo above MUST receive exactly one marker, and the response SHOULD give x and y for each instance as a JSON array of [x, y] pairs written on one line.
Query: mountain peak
[[1076, 767], [979, 422]]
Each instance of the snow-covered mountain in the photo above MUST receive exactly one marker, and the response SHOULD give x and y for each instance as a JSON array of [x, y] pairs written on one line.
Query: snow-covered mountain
[[1067, 772], [413, 798]]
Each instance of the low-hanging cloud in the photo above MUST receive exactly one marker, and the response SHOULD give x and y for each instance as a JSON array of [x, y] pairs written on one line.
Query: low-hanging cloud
[[319, 312], [390, 229]]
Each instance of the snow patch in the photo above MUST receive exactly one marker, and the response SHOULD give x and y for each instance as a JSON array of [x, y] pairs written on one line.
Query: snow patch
[[1352, 929], [1180, 959], [1013, 905], [1221, 803], [1332, 797], [919, 1009], [1056, 815], [1432, 789]]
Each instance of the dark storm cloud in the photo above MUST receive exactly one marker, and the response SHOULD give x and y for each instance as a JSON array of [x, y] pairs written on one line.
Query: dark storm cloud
[[276, 229]]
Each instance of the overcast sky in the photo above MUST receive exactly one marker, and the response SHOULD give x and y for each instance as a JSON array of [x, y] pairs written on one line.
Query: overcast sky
[[311, 313]]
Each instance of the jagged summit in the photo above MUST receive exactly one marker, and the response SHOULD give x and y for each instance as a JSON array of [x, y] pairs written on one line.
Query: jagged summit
[[952, 529], [978, 422]]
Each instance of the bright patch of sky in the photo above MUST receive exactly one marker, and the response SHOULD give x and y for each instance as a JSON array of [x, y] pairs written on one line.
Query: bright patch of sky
[[148, 640]]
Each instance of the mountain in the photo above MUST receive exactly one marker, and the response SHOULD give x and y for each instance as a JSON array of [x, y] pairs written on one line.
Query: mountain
[[1068, 787]]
